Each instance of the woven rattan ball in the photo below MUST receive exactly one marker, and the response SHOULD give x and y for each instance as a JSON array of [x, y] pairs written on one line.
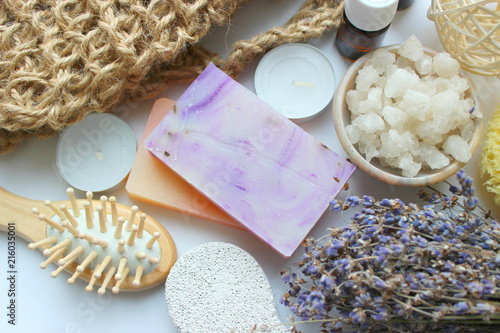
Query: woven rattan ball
[[469, 31]]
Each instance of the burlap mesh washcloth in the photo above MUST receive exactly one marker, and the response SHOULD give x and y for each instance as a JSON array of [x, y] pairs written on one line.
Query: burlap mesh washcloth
[[61, 59]]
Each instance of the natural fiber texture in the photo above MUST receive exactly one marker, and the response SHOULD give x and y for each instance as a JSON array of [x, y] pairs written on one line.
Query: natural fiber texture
[[61, 59], [470, 31], [490, 155]]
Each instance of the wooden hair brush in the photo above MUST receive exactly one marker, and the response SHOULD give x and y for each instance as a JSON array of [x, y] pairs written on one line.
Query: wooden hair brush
[[101, 241]]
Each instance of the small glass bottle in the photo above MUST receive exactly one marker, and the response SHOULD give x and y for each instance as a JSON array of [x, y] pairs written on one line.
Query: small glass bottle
[[364, 25], [403, 4]]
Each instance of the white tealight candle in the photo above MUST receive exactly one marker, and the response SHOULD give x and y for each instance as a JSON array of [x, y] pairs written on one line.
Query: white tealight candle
[[297, 80], [96, 153]]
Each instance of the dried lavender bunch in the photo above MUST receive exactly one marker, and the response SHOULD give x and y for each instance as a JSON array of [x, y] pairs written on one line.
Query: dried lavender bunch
[[402, 268]]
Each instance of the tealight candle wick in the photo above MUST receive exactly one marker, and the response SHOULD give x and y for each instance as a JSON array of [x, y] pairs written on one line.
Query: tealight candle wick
[[303, 84]]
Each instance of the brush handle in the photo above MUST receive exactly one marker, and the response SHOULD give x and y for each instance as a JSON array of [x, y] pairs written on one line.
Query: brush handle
[[17, 209]]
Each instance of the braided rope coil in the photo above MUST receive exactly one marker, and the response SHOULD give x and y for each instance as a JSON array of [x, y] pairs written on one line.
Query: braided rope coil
[[61, 59]]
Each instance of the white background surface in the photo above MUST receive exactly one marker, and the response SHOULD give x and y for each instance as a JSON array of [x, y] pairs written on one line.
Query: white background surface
[[46, 304]]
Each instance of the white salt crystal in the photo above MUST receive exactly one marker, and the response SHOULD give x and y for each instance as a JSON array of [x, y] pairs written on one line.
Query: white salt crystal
[[467, 130], [457, 147], [459, 84], [441, 124], [371, 139], [473, 111], [388, 162], [387, 101], [443, 106], [391, 69], [444, 65], [381, 82], [429, 77], [399, 82], [353, 98], [424, 65], [416, 104], [432, 156], [441, 84], [366, 77], [411, 48], [409, 140], [444, 100], [462, 112], [426, 87], [369, 151], [381, 59], [409, 167], [395, 117], [368, 145], [391, 144], [404, 63], [369, 123], [353, 133], [428, 133], [373, 102]]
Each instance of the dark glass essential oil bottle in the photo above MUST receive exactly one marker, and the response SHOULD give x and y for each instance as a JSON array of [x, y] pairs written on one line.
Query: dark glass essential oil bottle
[[364, 25], [403, 4]]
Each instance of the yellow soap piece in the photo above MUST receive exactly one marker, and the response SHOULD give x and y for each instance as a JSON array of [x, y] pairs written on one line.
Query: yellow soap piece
[[153, 182], [490, 157]]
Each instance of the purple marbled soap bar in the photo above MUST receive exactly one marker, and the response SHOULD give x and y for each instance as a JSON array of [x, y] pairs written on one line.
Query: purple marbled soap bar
[[255, 164]]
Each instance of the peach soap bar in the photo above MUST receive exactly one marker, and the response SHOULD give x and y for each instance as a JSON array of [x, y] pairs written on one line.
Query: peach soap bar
[[248, 159], [152, 182]]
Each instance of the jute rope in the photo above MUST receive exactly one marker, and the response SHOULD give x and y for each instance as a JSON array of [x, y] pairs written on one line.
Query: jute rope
[[61, 59]]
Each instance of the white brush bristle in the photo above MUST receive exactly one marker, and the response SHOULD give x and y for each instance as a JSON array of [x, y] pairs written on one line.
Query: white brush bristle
[[95, 233]]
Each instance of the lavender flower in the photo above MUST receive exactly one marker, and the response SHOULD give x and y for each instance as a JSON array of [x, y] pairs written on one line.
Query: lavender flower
[[403, 267]]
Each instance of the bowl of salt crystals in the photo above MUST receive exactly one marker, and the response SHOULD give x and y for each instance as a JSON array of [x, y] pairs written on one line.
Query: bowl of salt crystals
[[407, 115]]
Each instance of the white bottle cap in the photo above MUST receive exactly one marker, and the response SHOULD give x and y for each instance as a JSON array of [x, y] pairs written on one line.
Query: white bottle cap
[[370, 15]]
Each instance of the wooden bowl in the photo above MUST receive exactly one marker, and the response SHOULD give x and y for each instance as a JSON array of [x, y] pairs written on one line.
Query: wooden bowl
[[342, 118]]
